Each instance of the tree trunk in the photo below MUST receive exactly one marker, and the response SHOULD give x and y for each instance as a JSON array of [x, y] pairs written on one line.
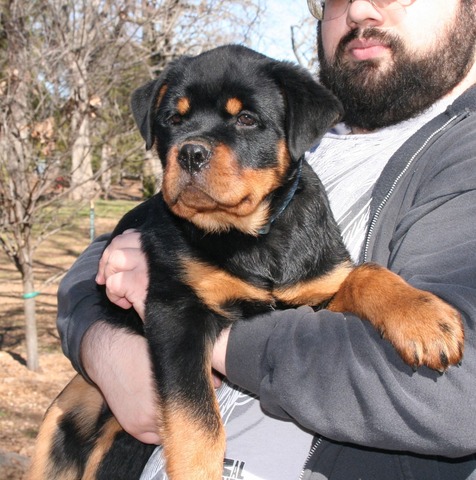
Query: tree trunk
[[84, 188], [29, 307], [25, 261], [151, 174], [106, 172]]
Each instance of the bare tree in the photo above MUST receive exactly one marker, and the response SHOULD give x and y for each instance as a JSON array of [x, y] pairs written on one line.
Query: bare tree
[[20, 169]]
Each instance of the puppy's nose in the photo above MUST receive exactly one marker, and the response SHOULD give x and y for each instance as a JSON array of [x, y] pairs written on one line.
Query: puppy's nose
[[193, 157]]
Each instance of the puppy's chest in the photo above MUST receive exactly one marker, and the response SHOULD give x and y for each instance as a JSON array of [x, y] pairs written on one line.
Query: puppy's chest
[[239, 276], [223, 290], [219, 288]]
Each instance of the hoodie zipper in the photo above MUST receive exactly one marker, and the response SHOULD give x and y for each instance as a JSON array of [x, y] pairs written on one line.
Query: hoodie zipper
[[376, 216], [314, 447]]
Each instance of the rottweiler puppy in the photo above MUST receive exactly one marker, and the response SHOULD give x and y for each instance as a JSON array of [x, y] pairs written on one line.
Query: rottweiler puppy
[[242, 225]]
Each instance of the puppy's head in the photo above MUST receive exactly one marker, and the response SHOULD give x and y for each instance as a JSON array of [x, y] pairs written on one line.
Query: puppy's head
[[229, 127]]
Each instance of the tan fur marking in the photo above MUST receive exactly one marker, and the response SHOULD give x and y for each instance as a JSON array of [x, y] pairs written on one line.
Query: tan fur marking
[[222, 221], [315, 291], [284, 158], [183, 105], [108, 433], [191, 452], [41, 467], [194, 446], [234, 106], [239, 190], [419, 325], [364, 289], [80, 396], [216, 287], [160, 96]]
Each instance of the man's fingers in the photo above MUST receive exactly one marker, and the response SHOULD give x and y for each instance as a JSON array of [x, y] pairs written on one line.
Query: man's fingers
[[125, 290], [111, 258], [117, 260], [116, 289]]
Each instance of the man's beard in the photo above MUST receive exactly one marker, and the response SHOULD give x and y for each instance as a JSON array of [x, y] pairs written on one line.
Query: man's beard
[[375, 98]]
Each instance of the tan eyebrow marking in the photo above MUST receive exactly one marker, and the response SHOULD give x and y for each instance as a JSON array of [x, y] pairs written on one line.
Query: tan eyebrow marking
[[234, 106], [183, 105]]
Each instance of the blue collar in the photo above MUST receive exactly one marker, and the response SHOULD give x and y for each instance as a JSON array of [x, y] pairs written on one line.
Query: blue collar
[[287, 195]]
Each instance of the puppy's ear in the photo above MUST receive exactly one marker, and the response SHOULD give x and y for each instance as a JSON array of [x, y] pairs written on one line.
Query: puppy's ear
[[146, 99], [142, 104], [310, 108]]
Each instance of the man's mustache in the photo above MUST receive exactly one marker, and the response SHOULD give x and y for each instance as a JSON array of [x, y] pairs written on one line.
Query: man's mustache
[[385, 38]]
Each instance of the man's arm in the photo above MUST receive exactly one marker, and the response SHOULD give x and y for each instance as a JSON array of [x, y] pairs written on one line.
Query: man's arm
[[113, 359], [118, 363]]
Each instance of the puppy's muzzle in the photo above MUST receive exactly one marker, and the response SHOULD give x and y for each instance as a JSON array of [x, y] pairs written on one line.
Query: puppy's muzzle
[[193, 157]]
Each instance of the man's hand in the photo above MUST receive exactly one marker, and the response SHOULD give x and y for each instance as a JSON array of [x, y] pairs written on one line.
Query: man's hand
[[123, 270]]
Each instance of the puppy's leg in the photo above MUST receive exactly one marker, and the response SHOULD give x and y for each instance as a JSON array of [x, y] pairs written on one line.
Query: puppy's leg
[[424, 329], [194, 440], [67, 433], [109, 431], [116, 454], [190, 422]]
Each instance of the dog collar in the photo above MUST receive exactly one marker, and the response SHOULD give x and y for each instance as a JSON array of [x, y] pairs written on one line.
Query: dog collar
[[287, 195]]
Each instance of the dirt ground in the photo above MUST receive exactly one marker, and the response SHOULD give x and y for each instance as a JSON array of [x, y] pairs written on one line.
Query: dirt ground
[[25, 395]]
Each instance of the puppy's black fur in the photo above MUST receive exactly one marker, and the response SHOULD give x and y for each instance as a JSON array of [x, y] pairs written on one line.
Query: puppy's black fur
[[242, 225]]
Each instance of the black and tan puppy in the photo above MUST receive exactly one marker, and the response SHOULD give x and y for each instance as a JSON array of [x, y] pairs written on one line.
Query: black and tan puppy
[[242, 225]]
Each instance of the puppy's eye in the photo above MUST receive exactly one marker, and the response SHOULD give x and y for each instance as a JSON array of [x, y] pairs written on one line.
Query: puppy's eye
[[246, 120], [175, 119]]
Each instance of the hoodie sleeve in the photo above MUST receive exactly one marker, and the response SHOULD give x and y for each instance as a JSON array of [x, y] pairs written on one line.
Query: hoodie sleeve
[[79, 301]]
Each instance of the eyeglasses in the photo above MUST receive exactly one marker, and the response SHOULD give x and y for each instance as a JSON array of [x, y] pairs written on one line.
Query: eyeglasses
[[331, 9]]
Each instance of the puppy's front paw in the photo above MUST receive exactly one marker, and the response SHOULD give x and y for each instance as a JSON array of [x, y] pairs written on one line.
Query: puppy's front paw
[[425, 330]]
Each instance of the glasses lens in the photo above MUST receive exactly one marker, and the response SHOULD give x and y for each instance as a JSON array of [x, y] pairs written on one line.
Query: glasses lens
[[393, 7], [332, 9], [315, 8]]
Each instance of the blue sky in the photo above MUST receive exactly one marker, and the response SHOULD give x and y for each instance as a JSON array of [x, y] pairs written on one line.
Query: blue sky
[[275, 27]]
